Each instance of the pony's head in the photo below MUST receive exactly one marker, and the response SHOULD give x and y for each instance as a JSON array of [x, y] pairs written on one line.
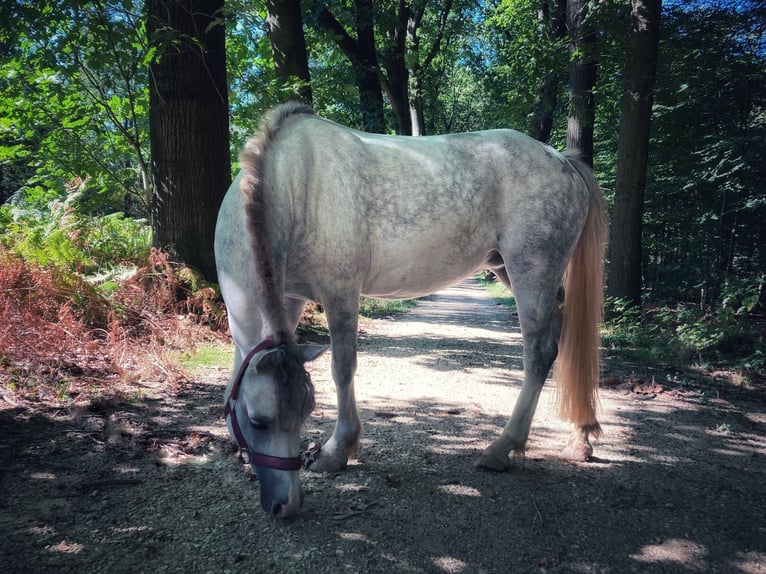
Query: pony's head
[[268, 401]]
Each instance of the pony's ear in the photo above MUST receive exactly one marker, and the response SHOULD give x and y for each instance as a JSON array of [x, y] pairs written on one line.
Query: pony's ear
[[268, 360], [308, 353]]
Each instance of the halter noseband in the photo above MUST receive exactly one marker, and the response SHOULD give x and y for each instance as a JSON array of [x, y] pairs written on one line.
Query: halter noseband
[[229, 410]]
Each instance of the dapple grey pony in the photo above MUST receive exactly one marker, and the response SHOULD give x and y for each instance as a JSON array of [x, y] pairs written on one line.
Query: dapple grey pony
[[324, 213]]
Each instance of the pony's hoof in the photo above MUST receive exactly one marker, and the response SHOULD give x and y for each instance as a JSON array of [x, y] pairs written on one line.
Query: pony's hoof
[[311, 454], [493, 462], [581, 452], [326, 463]]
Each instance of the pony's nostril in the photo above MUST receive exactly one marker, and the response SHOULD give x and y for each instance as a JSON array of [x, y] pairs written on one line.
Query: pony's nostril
[[286, 510]]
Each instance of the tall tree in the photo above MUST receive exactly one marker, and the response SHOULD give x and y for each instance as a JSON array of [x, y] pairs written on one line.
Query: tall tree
[[417, 63], [583, 67], [531, 67], [624, 275], [704, 205], [288, 44], [392, 57], [189, 126], [362, 54], [552, 19], [405, 59]]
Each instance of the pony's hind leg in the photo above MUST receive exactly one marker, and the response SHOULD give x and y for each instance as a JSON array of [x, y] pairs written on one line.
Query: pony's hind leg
[[578, 448], [540, 326]]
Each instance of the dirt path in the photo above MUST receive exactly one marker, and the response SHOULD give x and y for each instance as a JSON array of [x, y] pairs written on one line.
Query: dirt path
[[152, 485]]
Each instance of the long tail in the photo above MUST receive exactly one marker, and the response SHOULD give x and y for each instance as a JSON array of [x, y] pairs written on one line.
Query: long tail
[[252, 161], [577, 366]]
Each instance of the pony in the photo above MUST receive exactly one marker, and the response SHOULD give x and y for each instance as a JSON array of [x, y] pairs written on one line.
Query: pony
[[322, 212]]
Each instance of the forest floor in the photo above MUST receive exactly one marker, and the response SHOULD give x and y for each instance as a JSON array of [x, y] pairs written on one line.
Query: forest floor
[[151, 482]]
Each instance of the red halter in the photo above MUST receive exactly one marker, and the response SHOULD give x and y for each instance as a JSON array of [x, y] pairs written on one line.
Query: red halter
[[229, 409]]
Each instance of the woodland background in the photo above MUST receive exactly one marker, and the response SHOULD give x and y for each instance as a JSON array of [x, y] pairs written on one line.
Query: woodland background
[[120, 123]]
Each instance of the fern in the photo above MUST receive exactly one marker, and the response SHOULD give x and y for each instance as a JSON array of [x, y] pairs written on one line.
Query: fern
[[48, 229]]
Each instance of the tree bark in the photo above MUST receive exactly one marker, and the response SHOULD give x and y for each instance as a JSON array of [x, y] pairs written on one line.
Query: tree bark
[[396, 82], [368, 75], [415, 80], [624, 274], [417, 62], [189, 127], [554, 24], [363, 56], [583, 67], [288, 45]]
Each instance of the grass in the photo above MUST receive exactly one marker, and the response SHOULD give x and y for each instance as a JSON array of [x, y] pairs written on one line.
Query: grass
[[207, 356], [377, 308], [497, 291]]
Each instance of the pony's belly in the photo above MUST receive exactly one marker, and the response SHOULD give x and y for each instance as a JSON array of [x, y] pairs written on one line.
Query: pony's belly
[[409, 282]]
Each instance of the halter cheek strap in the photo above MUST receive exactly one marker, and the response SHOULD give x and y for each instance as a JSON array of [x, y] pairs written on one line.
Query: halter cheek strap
[[230, 410]]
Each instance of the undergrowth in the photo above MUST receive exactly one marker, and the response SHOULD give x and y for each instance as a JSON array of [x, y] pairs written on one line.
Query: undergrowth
[[376, 308], [726, 335], [497, 290], [65, 336], [86, 304]]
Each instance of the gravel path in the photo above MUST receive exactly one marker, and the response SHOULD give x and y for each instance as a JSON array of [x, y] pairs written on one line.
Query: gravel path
[[153, 485]]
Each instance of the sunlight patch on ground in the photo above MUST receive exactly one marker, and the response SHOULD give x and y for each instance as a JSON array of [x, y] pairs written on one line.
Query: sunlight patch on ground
[[65, 547], [354, 537], [44, 530], [676, 550], [751, 562], [459, 490], [733, 451], [352, 487], [449, 564], [43, 476], [683, 436], [125, 469], [451, 444]]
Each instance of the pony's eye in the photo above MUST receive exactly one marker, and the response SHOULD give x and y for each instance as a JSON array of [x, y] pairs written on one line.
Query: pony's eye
[[259, 425]]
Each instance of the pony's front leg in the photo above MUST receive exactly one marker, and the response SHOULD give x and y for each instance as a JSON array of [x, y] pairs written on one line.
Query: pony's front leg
[[334, 454]]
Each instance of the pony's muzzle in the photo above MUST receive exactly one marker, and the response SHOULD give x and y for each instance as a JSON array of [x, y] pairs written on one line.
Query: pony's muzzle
[[292, 508], [281, 492]]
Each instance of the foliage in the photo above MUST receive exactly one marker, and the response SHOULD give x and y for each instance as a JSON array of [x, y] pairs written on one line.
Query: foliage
[[497, 290], [47, 227], [626, 329], [705, 200], [49, 317], [252, 82], [728, 333], [72, 91], [59, 327], [372, 308], [526, 56]]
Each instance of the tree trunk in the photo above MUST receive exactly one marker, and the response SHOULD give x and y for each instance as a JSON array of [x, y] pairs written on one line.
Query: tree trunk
[[582, 79], [368, 73], [396, 82], [364, 60], [624, 275], [417, 63], [189, 127], [415, 81], [288, 45], [554, 24]]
